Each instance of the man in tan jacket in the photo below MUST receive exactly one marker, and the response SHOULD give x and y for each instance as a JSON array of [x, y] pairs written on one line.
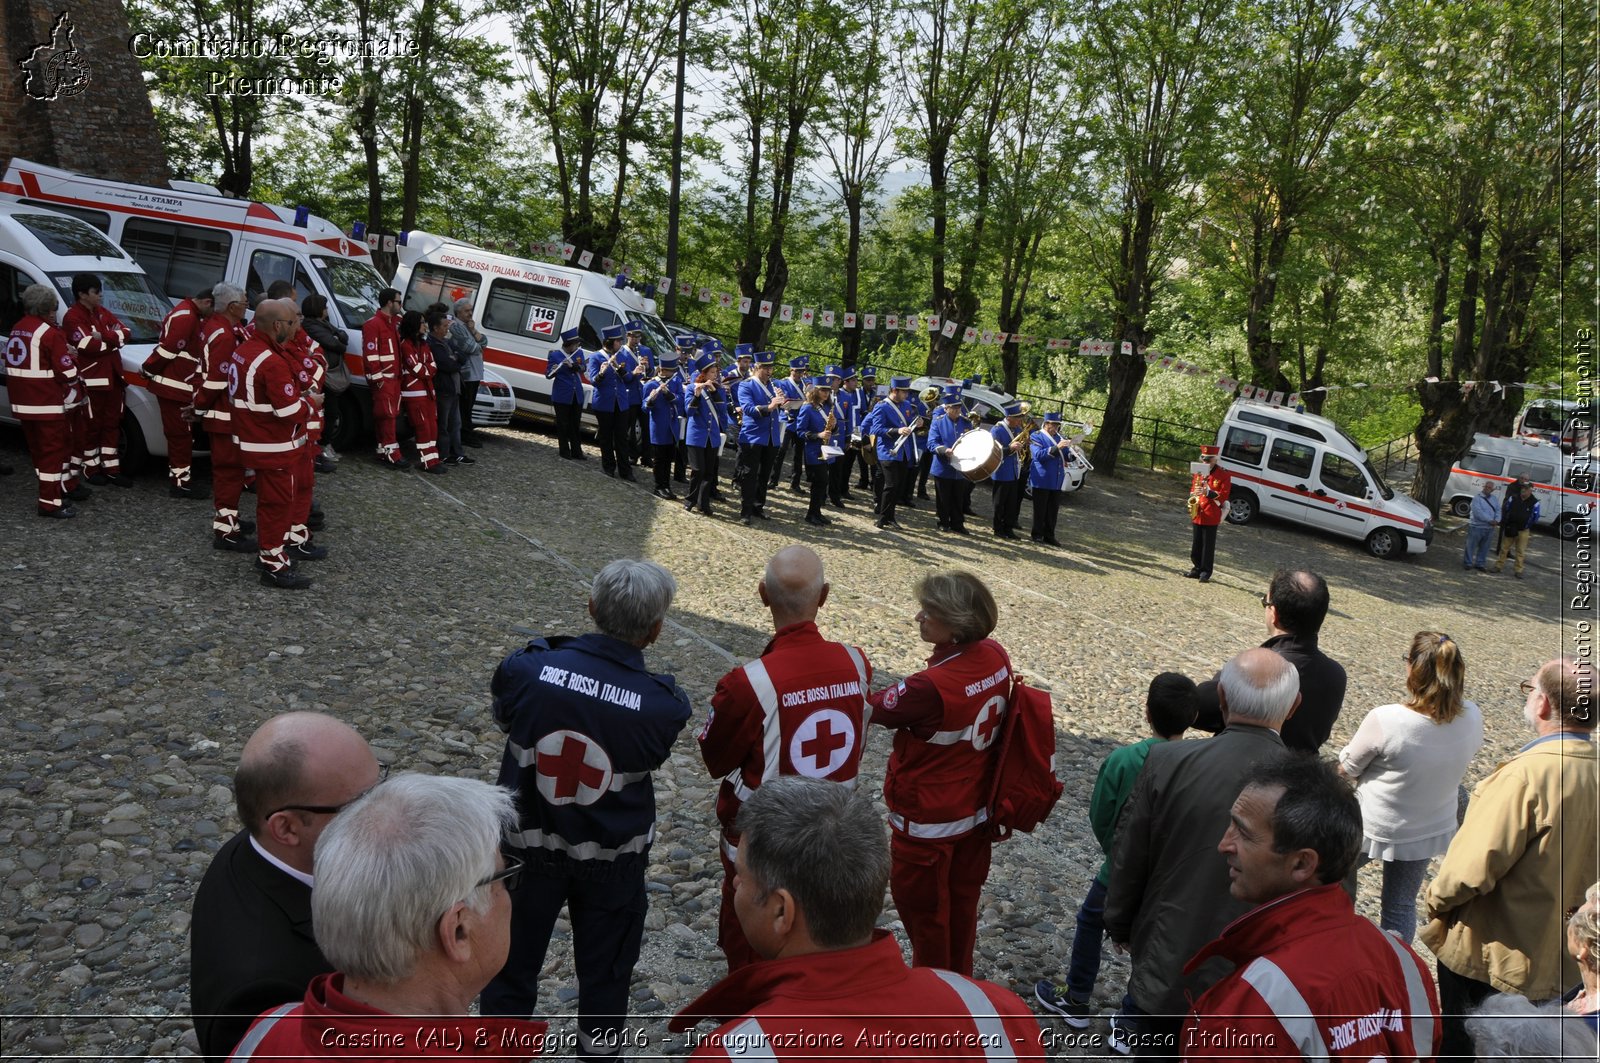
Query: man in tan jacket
[[1521, 860]]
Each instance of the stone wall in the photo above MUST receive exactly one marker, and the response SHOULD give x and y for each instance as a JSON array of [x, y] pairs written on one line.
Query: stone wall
[[100, 121]]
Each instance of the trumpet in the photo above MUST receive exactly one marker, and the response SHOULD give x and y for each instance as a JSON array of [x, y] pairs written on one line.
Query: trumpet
[[915, 424], [829, 425]]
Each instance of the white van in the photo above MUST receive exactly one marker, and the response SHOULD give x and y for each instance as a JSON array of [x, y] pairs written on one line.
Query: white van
[[188, 240], [40, 246], [522, 307], [1562, 482], [1303, 468]]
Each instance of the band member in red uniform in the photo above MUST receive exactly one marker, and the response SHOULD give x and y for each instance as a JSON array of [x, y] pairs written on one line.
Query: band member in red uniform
[[416, 390], [96, 338], [1208, 492], [380, 354], [946, 719], [42, 378], [171, 372], [270, 416], [221, 333], [798, 709]]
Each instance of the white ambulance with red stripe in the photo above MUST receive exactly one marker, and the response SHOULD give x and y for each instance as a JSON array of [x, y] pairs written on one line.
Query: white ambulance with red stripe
[[522, 306], [1564, 483], [188, 239], [1303, 468]]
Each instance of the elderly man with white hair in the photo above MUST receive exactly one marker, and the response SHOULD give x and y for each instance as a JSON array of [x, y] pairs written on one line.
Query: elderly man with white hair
[[467, 342], [44, 385], [1169, 889], [412, 906], [586, 724]]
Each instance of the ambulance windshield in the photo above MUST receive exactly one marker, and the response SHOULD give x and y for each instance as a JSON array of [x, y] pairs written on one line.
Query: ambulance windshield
[[128, 296], [1383, 489], [355, 287]]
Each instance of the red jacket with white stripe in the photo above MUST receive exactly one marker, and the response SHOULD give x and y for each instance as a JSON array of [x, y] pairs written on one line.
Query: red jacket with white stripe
[[96, 338], [380, 349], [416, 369], [798, 709], [310, 370], [218, 338], [269, 414], [41, 375], [947, 718], [1314, 980], [173, 368], [860, 1003]]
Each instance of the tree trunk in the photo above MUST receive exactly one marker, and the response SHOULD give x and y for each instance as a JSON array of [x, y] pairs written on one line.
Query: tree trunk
[[1127, 371], [850, 338]]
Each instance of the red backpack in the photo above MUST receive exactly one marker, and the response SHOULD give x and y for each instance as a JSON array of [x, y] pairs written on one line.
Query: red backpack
[[1025, 786]]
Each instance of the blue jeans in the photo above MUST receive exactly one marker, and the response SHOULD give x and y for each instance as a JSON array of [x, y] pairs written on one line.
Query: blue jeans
[[1084, 966], [1397, 908], [1477, 551]]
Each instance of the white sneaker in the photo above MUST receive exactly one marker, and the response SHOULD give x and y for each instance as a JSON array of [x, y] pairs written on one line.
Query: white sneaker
[[1117, 1039], [327, 452]]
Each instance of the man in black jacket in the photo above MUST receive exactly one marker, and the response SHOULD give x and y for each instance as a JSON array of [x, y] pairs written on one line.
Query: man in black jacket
[[250, 942], [1296, 603]]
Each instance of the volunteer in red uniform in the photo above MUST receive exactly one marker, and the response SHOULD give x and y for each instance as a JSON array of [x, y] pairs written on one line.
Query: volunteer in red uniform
[[946, 719], [269, 420], [812, 864], [170, 373], [310, 369], [219, 335], [1208, 493], [798, 709], [96, 338], [42, 379], [380, 354], [416, 390]]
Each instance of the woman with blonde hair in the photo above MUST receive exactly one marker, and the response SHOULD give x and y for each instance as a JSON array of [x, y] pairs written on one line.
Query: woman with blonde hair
[[1407, 761], [946, 719], [1583, 945]]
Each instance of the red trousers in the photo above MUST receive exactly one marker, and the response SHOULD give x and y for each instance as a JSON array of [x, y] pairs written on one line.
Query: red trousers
[[305, 478], [385, 408], [275, 500], [730, 935], [424, 415], [936, 887], [180, 441], [227, 481], [103, 431], [78, 435], [48, 447]]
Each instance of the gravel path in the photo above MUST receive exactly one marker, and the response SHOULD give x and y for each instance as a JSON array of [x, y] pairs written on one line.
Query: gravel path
[[135, 660]]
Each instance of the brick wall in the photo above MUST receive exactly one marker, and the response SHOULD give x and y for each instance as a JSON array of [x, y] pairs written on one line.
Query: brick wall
[[107, 129]]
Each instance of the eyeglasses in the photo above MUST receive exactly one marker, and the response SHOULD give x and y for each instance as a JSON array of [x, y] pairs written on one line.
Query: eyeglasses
[[334, 810], [1266, 603], [1526, 686], [511, 875]]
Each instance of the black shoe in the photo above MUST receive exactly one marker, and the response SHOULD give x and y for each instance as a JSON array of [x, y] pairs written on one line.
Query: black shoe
[[910, 504], [305, 552], [61, 512], [1193, 573], [1205, 577], [239, 544], [818, 521], [437, 469], [99, 479], [119, 480], [922, 495], [662, 492], [317, 521], [323, 466], [473, 443], [680, 479], [285, 579], [462, 459], [1052, 541], [246, 527], [181, 492], [79, 493], [610, 472], [944, 527], [762, 516], [396, 464], [716, 496], [961, 531], [747, 520], [580, 456], [880, 525]]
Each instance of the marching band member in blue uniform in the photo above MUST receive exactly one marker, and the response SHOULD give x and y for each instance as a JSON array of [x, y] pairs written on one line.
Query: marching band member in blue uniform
[[1005, 483], [608, 372], [894, 423], [565, 370], [707, 416], [681, 383], [1046, 476], [847, 399], [644, 371], [869, 399], [918, 480], [794, 388], [817, 426], [760, 432], [948, 481], [662, 403]]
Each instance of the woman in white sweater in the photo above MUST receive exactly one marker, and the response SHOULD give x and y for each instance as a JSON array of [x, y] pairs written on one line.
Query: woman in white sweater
[[1407, 761]]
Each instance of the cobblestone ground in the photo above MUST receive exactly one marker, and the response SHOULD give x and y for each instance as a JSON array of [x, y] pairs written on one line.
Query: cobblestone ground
[[135, 660]]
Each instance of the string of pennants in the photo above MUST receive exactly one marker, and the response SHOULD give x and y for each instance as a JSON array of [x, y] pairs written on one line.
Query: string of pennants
[[929, 322]]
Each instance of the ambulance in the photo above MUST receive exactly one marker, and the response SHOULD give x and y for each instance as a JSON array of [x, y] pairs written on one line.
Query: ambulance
[[1564, 483], [187, 240], [1303, 468], [40, 246], [522, 307]]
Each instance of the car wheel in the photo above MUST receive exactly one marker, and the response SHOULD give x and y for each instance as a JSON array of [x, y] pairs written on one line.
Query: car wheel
[[1242, 507], [341, 421], [1569, 526], [135, 452], [1385, 543], [1461, 507]]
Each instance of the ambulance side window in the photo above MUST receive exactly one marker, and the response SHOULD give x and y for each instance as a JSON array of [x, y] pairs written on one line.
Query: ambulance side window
[[1343, 477], [436, 284], [528, 310], [595, 318], [1291, 458], [269, 266], [1537, 471], [1245, 446], [12, 281], [1489, 463], [180, 259]]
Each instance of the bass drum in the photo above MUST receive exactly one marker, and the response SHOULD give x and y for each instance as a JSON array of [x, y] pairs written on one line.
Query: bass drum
[[976, 454]]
